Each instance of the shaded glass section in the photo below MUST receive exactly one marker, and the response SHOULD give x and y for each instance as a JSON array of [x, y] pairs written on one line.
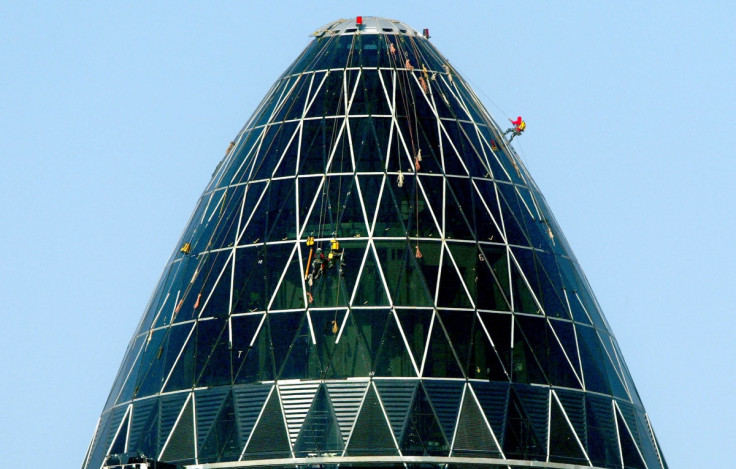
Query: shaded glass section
[[372, 271]]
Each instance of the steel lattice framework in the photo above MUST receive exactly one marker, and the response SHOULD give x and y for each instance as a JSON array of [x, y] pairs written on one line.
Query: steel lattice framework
[[451, 326]]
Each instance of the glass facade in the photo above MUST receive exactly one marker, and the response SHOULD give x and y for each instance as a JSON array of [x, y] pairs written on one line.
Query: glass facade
[[372, 276]]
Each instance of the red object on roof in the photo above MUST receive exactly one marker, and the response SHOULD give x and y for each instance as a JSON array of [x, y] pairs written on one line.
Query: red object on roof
[[359, 20]]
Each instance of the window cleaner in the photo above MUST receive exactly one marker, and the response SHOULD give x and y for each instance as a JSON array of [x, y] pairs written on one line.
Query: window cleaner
[[517, 129]]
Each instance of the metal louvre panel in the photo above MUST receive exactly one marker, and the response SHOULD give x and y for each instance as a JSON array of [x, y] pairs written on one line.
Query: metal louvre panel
[[209, 403], [346, 398], [296, 400], [396, 396], [181, 444], [249, 400]]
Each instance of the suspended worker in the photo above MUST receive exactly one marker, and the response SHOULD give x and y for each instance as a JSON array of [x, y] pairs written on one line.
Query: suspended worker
[[335, 255], [318, 265], [517, 129]]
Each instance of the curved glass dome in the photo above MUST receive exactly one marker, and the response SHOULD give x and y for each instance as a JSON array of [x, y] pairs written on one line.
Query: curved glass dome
[[373, 277]]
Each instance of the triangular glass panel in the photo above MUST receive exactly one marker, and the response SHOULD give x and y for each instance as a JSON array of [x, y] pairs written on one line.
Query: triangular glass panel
[[351, 357], [445, 397], [563, 446], [466, 142], [483, 361], [253, 223], [290, 294], [526, 367], [498, 327], [212, 360], [194, 297], [181, 442], [493, 400], [429, 263], [459, 195], [346, 398], [164, 359], [370, 97], [510, 214], [416, 324], [320, 433], [592, 357], [249, 285], [286, 165], [565, 332], [473, 437], [281, 216], [547, 351], [432, 189], [351, 220], [295, 105], [370, 290], [340, 156], [218, 223], [251, 354], [451, 161], [415, 138], [422, 220], [316, 135], [615, 372], [284, 328], [441, 361], [395, 207], [149, 356], [549, 274], [371, 434], [397, 155], [423, 434], [476, 161], [402, 274], [393, 357], [310, 204], [492, 291], [524, 299], [302, 360], [270, 438], [486, 228], [182, 374], [249, 400], [370, 189], [485, 196], [457, 324], [274, 143], [326, 325], [463, 259], [371, 324], [366, 147], [575, 289]]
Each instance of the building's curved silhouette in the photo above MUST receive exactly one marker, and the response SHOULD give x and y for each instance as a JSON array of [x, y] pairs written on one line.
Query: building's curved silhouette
[[452, 325]]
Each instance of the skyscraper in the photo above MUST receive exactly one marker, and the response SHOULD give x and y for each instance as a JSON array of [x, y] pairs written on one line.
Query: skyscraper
[[372, 277]]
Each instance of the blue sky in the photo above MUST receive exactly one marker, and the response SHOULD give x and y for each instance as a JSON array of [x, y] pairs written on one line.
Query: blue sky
[[113, 116]]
